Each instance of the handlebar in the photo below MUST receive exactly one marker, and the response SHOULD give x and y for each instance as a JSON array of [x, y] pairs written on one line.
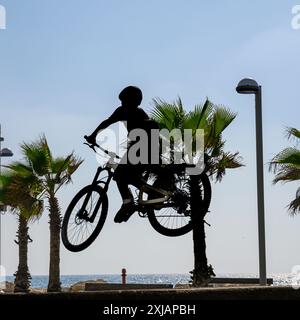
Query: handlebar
[[92, 146]]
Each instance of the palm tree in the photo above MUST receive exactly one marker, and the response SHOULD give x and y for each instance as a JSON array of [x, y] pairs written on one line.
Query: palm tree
[[213, 120], [18, 193], [49, 174], [286, 165]]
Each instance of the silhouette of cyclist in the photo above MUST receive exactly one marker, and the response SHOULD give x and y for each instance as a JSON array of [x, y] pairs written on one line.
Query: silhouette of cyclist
[[125, 174]]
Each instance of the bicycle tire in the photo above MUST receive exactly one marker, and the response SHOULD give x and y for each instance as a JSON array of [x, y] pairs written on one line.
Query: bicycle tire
[[104, 208]]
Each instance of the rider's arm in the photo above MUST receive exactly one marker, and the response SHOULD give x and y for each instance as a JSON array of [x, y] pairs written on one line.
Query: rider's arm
[[115, 117], [103, 125]]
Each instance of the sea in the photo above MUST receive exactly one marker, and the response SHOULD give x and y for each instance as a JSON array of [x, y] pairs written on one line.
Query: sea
[[41, 281]]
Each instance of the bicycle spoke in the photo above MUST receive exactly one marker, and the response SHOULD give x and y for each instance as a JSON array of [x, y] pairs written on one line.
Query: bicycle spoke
[[175, 215], [80, 229]]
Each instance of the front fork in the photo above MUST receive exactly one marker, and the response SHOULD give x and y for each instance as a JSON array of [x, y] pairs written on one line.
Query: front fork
[[83, 213]]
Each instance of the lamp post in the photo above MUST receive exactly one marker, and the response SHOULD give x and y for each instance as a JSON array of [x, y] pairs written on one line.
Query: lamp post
[[3, 153], [250, 86]]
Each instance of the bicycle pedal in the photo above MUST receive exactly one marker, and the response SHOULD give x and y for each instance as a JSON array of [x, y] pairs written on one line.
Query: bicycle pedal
[[142, 214]]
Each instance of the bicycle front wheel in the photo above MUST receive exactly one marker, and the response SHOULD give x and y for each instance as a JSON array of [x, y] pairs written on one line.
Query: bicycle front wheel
[[81, 225]]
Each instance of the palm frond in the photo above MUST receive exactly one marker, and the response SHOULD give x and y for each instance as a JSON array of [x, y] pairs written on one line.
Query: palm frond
[[22, 197], [168, 116], [292, 133], [286, 166], [62, 169], [199, 117], [218, 165], [222, 118], [287, 174], [74, 164], [38, 155], [289, 157], [19, 168], [294, 206]]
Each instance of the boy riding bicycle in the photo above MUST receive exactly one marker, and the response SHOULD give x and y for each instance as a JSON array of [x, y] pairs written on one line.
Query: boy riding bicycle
[[126, 172]]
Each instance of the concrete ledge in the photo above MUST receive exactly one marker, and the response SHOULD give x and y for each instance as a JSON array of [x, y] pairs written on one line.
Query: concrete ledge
[[244, 293], [239, 280], [94, 286]]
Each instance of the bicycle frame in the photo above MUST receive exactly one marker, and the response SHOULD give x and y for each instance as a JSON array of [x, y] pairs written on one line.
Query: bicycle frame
[[147, 188], [110, 166]]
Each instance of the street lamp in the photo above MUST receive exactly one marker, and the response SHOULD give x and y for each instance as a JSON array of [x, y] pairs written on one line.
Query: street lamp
[[5, 152], [250, 86]]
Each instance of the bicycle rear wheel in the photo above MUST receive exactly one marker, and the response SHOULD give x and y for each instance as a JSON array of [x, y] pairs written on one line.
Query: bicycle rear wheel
[[78, 232], [174, 218]]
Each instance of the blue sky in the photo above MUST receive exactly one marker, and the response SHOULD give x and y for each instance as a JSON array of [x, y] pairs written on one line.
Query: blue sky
[[62, 65]]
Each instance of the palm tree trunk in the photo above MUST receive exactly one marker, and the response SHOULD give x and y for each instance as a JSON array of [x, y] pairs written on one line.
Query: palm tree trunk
[[22, 276], [200, 277], [54, 284], [202, 272]]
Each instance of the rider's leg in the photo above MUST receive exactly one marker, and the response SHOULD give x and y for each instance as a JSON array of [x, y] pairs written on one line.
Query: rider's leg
[[125, 192], [128, 207], [122, 176]]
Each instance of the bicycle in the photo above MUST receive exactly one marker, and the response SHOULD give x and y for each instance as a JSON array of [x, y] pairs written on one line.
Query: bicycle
[[164, 199]]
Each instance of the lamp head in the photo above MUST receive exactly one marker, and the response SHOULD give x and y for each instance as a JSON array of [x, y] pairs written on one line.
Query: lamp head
[[247, 86], [6, 153]]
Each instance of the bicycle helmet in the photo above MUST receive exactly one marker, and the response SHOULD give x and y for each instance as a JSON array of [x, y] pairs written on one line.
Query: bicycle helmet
[[131, 95]]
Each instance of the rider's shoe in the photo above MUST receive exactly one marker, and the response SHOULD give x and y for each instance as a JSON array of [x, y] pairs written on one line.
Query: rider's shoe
[[125, 212]]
